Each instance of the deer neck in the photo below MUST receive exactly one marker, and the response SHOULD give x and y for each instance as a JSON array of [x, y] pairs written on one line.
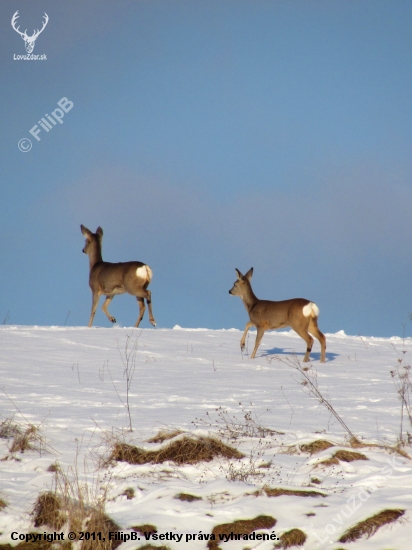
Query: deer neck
[[95, 256], [248, 297]]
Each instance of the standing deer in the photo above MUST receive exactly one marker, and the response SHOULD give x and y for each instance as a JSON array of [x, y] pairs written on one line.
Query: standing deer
[[298, 313], [111, 279]]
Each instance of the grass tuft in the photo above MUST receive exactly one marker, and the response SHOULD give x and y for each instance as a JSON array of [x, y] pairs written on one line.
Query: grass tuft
[[146, 528], [164, 435], [316, 446], [368, 527], [9, 429], [241, 527], [28, 440], [294, 537], [277, 492], [188, 450], [186, 497], [349, 456], [48, 511]]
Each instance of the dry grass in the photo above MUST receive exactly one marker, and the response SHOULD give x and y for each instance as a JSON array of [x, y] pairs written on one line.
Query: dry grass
[[328, 462], [241, 527], [397, 449], [54, 467], [188, 450], [344, 456], [349, 456], [3, 504], [164, 435], [368, 527], [9, 429], [294, 537], [277, 492], [129, 493], [75, 507], [28, 440], [186, 497], [48, 511], [146, 528], [316, 446]]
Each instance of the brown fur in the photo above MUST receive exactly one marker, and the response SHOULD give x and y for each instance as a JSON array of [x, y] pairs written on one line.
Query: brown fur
[[111, 279], [266, 315]]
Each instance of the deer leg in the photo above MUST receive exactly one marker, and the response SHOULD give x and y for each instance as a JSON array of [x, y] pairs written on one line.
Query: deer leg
[[314, 329], [95, 301], [142, 308], [105, 306], [259, 336], [243, 339], [149, 305], [304, 334]]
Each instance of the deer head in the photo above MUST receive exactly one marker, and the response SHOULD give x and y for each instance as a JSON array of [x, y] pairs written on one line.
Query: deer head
[[29, 41]]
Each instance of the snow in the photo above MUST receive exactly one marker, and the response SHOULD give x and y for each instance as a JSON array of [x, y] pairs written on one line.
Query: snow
[[69, 382]]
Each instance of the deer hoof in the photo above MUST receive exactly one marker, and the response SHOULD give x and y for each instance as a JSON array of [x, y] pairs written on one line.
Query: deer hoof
[[112, 320], [153, 322]]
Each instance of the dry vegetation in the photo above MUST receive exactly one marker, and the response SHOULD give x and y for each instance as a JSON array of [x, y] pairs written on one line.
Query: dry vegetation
[[294, 537], [186, 497], [28, 440], [241, 527], [344, 456], [146, 528], [368, 527], [316, 446], [164, 435], [276, 492], [187, 450]]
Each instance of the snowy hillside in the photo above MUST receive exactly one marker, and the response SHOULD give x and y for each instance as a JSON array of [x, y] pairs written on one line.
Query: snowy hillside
[[65, 389]]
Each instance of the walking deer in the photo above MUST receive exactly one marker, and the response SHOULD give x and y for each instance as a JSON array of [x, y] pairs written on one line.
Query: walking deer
[[111, 279], [297, 313]]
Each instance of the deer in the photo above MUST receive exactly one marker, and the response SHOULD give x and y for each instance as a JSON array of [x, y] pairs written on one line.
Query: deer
[[299, 314], [29, 41], [110, 279]]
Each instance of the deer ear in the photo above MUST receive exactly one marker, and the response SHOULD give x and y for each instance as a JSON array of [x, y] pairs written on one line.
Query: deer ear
[[99, 231], [249, 274], [239, 275], [86, 232]]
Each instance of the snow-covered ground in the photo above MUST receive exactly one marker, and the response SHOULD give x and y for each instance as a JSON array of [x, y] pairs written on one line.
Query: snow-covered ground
[[69, 383]]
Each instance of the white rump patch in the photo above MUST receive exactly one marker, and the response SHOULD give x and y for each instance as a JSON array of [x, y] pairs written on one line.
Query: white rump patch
[[310, 310], [144, 272]]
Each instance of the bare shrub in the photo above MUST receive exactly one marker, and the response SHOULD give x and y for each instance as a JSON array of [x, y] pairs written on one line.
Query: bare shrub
[[308, 380], [231, 427], [402, 378]]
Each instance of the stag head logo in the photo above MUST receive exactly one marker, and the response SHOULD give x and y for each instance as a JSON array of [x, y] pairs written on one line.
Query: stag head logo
[[29, 41]]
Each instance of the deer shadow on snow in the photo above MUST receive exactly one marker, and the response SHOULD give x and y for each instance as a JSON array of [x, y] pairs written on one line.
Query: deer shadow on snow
[[315, 356]]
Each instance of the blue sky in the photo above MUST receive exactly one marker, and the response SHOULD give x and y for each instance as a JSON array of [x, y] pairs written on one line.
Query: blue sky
[[204, 136]]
